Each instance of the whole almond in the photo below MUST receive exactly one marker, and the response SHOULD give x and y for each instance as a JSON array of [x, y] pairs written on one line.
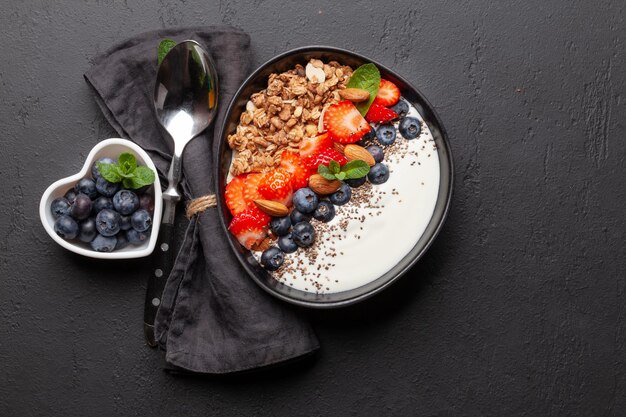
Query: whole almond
[[354, 94], [356, 152], [272, 208], [323, 186]]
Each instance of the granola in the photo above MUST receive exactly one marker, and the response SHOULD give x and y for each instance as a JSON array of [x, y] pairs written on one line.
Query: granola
[[289, 109]]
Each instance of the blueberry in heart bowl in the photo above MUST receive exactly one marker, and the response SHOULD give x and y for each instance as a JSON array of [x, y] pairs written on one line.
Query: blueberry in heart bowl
[[111, 209]]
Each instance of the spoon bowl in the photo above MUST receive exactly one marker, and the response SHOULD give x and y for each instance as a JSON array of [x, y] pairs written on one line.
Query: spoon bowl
[[185, 101], [185, 93]]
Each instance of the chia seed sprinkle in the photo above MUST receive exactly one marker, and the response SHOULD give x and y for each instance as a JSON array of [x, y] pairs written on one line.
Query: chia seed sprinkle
[[315, 265]]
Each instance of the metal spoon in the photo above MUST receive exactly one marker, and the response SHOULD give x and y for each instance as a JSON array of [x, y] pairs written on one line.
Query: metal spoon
[[185, 100]]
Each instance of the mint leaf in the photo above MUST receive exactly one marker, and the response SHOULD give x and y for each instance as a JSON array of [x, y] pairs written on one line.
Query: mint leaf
[[123, 174], [366, 77], [164, 47], [350, 170], [127, 163], [134, 183], [127, 182], [143, 176], [109, 172], [325, 172], [127, 172], [355, 169]]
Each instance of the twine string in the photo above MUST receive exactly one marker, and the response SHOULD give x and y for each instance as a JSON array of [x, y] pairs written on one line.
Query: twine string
[[198, 205]]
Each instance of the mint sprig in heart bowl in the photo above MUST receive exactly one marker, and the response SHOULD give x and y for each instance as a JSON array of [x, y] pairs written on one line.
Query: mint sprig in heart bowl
[[128, 168]]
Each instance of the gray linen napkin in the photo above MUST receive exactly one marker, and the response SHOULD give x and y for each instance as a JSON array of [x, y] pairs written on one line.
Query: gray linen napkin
[[213, 318]]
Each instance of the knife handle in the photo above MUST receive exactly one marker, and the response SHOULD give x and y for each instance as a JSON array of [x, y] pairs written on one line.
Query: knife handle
[[162, 266]]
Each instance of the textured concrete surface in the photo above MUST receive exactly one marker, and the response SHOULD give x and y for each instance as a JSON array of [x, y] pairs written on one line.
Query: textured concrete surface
[[518, 309]]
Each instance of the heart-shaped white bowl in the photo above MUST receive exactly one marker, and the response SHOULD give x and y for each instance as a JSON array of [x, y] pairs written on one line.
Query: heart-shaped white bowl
[[111, 148]]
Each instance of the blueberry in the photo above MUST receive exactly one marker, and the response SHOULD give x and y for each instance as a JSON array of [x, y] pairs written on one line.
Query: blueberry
[[410, 127], [305, 200], [303, 234], [87, 229], [86, 186], [125, 222], [107, 189], [356, 182], [324, 212], [60, 207], [401, 107], [125, 202], [298, 216], [377, 152], [386, 134], [70, 195], [122, 242], [108, 222], [146, 201], [81, 207], [136, 238], [272, 258], [66, 227], [280, 225], [141, 220], [104, 243], [379, 174], [286, 243], [342, 195], [95, 172], [102, 203]]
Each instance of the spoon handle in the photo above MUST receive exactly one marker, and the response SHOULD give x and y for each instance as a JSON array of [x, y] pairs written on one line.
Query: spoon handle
[[163, 264]]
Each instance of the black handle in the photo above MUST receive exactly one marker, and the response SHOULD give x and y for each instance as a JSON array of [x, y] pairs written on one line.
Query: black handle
[[162, 266]]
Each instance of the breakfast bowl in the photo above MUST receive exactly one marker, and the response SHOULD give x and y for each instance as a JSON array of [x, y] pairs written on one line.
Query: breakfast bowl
[[386, 235], [109, 148]]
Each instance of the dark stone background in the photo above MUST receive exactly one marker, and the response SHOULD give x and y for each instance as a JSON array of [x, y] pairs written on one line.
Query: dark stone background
[[519, 307]]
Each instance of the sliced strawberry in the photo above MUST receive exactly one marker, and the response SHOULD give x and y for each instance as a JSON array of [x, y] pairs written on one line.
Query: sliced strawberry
[[324, 157], [380, 114], [276, 185], [388, 94], [235, 195], [344, 122], [261, 216], [288, 199], [292, 163], [249, 226], [251, 188], [249, 237], [310, 146]]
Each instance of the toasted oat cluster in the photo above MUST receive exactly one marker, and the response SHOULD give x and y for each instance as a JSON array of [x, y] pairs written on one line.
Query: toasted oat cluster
[[289, 109]]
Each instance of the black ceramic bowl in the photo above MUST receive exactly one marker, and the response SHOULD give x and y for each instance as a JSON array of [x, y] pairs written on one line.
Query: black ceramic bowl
[[258, 81]]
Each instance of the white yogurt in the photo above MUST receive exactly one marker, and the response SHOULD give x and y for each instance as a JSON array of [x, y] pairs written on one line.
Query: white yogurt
[[376, 238]]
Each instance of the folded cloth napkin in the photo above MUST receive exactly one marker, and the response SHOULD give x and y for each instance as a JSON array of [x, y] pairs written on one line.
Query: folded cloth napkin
[[213, 318]]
